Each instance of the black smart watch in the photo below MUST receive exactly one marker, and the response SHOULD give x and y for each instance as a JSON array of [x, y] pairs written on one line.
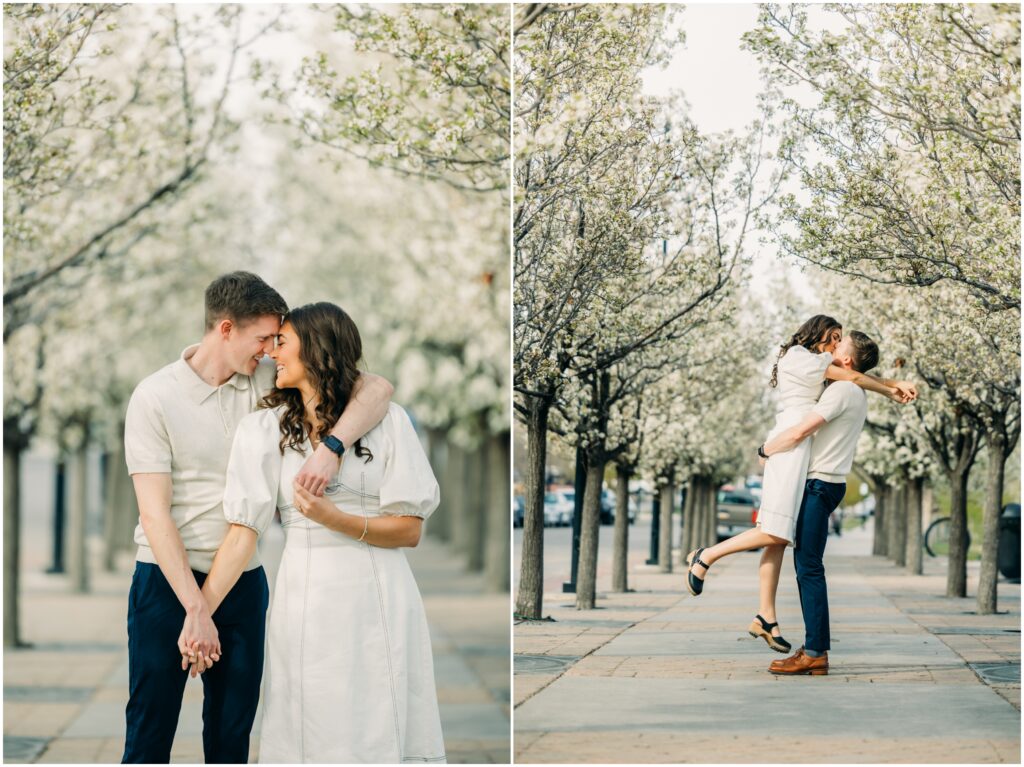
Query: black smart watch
[[334, 444], [760, 452]]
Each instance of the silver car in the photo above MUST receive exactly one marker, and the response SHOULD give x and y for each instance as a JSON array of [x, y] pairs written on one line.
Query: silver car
[[737, 511]]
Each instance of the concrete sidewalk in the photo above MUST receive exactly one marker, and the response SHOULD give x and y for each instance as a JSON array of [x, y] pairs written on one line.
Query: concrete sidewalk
[[656, 675], [64, 696]]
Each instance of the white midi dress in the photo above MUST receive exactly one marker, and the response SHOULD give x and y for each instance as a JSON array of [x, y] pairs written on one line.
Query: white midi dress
[[801, 378], [349, 675]]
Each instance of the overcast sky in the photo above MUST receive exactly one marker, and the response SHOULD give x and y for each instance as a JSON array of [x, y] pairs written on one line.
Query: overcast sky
[[721, 83]]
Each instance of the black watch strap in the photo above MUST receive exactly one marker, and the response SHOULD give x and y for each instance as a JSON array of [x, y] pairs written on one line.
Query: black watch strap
[[760, 451], [334, 444]]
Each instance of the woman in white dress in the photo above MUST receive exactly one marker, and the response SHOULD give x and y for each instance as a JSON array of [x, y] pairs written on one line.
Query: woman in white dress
[[804, 364], [350, 675]]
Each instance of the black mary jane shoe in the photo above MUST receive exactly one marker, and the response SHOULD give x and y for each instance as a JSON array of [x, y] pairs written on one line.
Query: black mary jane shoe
[[759, 627], [693, 583]]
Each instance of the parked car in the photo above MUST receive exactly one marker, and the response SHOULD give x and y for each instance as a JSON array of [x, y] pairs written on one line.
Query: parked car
[[608, 504], [737, 511], [518, 510], [558, 507], [607, 507], [753, 484]]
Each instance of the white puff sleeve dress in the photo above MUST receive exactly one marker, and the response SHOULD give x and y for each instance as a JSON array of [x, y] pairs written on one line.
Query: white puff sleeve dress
[[801, 378], [350, 675]]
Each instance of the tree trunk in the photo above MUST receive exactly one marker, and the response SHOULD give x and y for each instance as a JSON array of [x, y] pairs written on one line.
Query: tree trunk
[[927, 505], [956, 575], [620, 553], [475, 518], [457, 505], [914, 555], [892, 532], [78, 555], [438, 526], [128, 519], [880, 545], [114, 502], [590, 528], [900, 520], [530, 593], [997, 450], [687, 537], [668, 498], [12, 540], [710, 512], [499, 514], [111, 490]]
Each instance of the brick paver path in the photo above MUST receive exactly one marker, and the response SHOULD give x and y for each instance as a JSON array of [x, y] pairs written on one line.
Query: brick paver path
[[656, 675]]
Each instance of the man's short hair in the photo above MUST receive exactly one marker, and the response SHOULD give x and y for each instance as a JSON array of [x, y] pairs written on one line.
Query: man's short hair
[[241, 297], [865, 352]]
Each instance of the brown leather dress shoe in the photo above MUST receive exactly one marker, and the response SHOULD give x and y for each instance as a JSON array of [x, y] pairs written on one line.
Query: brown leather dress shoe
[[797, 654], [801, 663]]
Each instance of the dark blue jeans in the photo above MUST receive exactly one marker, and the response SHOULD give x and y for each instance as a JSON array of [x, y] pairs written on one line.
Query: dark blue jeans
[[820, 500], [231, 688]]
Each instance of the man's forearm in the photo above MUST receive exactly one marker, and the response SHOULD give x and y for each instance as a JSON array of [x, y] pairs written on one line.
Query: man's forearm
[[172, 559], [794, 435], [233, 555], [366, 408], [785, 441]]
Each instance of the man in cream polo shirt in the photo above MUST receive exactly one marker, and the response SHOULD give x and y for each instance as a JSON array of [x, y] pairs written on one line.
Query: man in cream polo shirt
[[179, 429], [836, 422]]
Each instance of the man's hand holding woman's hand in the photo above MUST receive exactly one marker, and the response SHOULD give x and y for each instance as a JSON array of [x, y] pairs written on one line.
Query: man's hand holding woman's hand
[[903, 392], [198, 643]]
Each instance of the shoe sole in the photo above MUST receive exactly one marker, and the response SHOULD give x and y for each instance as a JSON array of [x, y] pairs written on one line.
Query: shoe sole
[[804, 672], [777, 648]]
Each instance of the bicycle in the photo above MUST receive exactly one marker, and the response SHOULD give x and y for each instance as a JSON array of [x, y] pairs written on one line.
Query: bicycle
[[936, 538]]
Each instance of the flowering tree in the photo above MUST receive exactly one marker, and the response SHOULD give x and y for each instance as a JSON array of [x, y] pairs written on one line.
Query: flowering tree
[[578, 216], [106, 132], [431, 293], [918, 122], [895, 457], [970, 398], [964, 354], [439, 105]]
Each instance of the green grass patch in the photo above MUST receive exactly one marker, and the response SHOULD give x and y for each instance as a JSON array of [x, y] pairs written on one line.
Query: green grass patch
[[852, 523]]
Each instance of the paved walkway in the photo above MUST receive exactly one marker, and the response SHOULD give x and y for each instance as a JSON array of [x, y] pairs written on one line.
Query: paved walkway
[[656, 675], [64, 697]]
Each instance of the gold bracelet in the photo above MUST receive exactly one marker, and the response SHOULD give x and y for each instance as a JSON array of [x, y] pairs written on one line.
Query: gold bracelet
[[366, 526]]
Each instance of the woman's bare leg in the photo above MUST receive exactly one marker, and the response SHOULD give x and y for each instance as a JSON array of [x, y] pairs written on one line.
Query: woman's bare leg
[[745, 541], [768, 573]]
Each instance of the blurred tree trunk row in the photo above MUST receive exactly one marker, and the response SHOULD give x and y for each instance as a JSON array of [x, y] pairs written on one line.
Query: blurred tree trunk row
[[475, 515]]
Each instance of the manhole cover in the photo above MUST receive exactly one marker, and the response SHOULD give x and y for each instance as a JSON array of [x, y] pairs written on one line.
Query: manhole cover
[[18, 749], [47, 694], [969, 630], [998, 673], [542, 664]]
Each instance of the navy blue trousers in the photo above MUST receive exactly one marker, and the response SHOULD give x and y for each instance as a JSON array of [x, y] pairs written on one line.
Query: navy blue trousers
[[820, 500], [231, 688]]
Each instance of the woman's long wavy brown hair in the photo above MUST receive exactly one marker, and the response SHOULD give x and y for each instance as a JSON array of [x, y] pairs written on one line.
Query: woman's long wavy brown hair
[[808, 335], [329, 348]]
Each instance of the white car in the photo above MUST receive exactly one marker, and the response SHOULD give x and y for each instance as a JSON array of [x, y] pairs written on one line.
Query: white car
[[558, 507]]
